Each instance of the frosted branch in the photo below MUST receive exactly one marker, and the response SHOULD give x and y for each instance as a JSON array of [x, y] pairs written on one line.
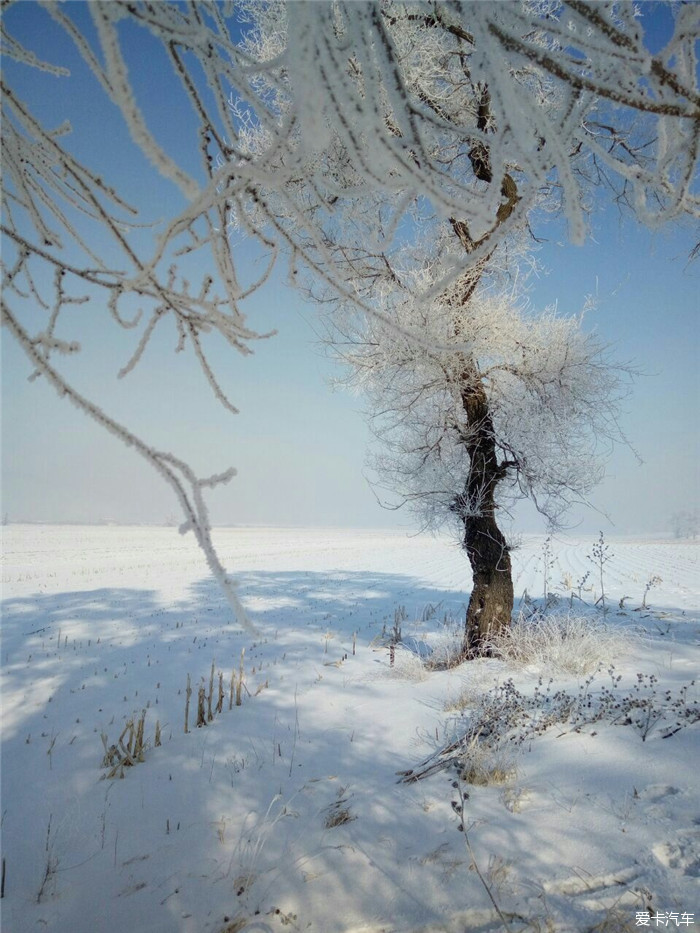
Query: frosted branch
[[166, 465]]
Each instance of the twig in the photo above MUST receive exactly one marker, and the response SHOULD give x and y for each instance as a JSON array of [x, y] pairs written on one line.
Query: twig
[[458, 807], [188, 693]]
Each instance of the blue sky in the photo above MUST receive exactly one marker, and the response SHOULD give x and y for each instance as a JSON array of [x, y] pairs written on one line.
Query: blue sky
[[298, 446]]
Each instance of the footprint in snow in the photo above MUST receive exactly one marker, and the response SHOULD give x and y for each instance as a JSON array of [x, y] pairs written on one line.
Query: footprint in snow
[[655, 793], [681, 853]]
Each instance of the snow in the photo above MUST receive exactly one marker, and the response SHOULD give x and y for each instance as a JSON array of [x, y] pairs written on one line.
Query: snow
[[286, 812]]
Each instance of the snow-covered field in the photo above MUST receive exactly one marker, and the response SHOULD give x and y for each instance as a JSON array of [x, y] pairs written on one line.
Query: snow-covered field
[[286, 812]]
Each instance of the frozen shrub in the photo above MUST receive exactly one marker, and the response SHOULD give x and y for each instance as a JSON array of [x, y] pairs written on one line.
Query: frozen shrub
[[506, 715]]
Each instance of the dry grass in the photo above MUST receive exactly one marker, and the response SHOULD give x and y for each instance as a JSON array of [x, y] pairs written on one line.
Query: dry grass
[[564, 643], [407, 666], [486, 765], [337, 817], [465, 699], [447, 649], [338, 813]]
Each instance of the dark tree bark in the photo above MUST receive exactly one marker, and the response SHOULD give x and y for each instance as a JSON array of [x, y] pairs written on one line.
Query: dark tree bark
[[491, 601]]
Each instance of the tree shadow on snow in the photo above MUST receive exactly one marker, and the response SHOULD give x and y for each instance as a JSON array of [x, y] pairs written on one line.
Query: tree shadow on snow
[[288, 801], [108, 653], [289, 790]]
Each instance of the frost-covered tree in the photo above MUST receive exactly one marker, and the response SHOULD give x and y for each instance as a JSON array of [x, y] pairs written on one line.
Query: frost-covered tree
[[330, 134], [497, 403], [441, 132], [686, 524]]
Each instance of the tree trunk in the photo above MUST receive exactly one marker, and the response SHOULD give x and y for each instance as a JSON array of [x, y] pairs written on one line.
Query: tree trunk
[[491, 601]]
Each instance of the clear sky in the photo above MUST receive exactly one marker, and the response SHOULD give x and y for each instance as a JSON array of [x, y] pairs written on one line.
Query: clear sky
[[299, 447]]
